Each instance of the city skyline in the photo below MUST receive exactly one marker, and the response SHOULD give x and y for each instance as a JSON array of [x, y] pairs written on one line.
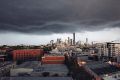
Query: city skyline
[[21, 21], [107, 35], [59, 39]]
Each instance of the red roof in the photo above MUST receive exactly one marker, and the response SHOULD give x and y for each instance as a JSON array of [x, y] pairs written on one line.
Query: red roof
[[30, 51], [53, 59], [26, 53]]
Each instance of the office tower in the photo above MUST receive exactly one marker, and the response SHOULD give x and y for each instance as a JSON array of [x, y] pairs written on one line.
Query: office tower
[[58, 41], [68, 40], [86, 42], [71, 41], [51, 42], [92, 44], [73, 38]]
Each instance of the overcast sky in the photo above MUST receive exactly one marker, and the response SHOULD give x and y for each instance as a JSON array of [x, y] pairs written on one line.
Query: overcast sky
[[39, 21]]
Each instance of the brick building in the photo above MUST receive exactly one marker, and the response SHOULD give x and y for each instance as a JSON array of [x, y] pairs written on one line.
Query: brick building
[[53, 59], [27, 54]]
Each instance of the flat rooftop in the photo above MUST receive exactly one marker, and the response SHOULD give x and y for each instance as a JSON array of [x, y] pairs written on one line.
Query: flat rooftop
[[101, 68], [96, 64], [36, 78], [55, 54], [106, 70], [37, 67], [30, 64], [51, 68], [82, 57], [2, 64]]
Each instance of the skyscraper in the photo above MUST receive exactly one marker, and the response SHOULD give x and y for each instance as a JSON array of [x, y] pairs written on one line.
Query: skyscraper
[[58, 40], [51, 42], [68, 40], [71, 42], [73, 38], [86, 42]]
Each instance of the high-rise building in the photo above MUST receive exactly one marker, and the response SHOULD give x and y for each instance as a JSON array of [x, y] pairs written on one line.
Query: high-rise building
[[51, 42], [68, 40], [102, 49], [86, 42], [58, 41], [73, 38], [71, 42], [114, 49]]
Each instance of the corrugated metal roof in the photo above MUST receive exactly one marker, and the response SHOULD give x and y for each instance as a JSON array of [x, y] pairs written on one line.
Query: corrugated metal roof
[[30, 64]]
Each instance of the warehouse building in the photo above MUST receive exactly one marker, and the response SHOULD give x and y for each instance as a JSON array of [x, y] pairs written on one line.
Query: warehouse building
[[102, 71], [35, 69], [5, 68], [53, 59], [27, 54]]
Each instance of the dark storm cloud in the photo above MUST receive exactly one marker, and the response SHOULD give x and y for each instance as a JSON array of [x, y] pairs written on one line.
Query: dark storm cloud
[[58, 16]]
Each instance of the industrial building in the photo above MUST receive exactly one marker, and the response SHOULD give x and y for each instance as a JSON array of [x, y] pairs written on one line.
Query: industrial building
[[53, 59], [101, 70], [2, 58], [35, 69], [3, 55], [27, 54], [5, 68]]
